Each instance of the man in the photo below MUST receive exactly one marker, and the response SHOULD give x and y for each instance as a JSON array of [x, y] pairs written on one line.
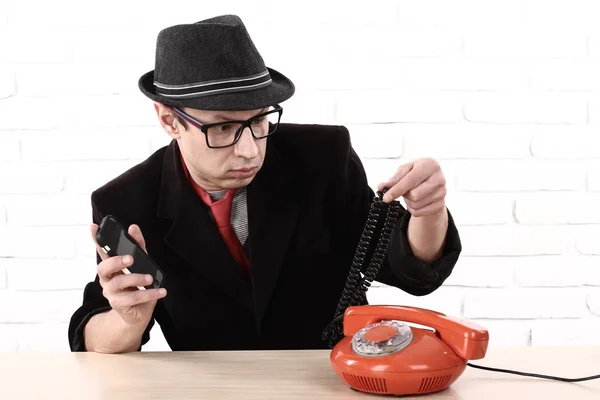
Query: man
[[254, 222]]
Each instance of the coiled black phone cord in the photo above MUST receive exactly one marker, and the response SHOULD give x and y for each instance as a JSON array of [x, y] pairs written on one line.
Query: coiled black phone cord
[[354, 292]]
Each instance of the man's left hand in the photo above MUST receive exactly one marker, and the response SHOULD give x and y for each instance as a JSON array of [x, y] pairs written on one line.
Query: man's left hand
[[422, 185]]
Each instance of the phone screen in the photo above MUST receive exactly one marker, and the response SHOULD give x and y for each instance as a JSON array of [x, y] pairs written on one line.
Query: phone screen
[[119, 243]]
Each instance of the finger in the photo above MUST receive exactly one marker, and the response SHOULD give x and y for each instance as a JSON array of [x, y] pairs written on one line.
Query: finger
[[425, 189], [101, 253], [114, 265], [430, 209], [136, 233], [399, 174], [127, 281], [437, 195], [130, 299], [410, 181]]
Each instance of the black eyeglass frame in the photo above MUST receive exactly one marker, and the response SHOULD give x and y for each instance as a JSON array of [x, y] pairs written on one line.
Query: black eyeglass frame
[[245, 124]]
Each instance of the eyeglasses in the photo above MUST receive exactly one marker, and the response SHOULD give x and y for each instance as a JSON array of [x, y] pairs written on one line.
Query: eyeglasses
[[225, 134]]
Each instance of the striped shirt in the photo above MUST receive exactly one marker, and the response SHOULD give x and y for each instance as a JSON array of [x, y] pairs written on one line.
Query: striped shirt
[[239, 212]]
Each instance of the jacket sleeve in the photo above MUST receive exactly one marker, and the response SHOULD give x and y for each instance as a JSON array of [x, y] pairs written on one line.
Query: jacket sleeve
[[400, 268], [93, 303]]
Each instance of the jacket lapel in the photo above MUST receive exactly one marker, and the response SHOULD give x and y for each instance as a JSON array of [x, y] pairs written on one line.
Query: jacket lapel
[[193, 234], [272, 216]]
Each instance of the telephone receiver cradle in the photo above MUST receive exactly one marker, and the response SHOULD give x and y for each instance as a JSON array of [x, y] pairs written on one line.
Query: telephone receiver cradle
[[381, 353]]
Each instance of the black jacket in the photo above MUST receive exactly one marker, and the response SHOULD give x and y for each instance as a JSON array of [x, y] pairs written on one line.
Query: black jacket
[[307, 208]]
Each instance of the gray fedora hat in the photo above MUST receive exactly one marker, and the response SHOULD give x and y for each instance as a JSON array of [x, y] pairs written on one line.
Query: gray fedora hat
[[213, 65]]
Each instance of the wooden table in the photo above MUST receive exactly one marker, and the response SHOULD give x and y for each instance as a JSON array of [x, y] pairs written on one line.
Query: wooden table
[[275, 375]]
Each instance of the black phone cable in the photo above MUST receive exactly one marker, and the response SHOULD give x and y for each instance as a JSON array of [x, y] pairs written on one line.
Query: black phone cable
[[557, 378], [354, 292]]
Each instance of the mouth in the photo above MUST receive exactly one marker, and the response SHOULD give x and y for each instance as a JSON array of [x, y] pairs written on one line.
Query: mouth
[[244, 170], [242, 173]]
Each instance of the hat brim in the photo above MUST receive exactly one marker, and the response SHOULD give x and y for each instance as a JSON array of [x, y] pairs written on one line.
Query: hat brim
[[277, 92]]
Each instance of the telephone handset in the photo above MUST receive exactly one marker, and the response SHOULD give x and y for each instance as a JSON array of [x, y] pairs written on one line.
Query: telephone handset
[[378, 351], [381, 353]]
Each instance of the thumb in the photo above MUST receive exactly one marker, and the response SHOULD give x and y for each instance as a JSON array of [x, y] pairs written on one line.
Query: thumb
[[136, 233], [398, 175]]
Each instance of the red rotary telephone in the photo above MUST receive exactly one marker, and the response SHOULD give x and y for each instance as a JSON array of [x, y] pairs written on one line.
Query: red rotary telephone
[[382, 354]]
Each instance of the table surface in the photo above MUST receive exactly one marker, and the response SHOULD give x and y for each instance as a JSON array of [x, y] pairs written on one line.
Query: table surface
[[276, 375]]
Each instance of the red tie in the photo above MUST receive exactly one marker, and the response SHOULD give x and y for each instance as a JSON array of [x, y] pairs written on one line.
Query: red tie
[[221, 210]]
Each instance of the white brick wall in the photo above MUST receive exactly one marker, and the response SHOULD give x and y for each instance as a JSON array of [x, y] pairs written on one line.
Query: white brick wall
[[506, 95]]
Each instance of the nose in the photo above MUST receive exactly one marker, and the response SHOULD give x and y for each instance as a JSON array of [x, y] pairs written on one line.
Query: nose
[[245, 146]]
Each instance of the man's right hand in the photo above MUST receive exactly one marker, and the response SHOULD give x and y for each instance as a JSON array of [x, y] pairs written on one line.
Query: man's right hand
[[133, 305]]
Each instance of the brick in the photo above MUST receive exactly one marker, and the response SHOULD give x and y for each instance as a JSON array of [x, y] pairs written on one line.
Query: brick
[[3, 274], [38, 306], [572, 14], [85, 177], [90, 145], [116, 46], [480, 208], [552, 271], [119, 110], [565, 75], [158, 140], [521, 108], [74, 79], [33, 337], [8, 340], [50, 242], [85, 248], [30, 178], [310, 108], [513, 240], [520, 176], [584, 332], [157, 341], [466, 141], [445, 300], [523, 42], [593, 303], [430, 73], [54, 46], [593, 180], [4, 13], [377, 140], [42, 275], [335, 13], [566, 143], [51, 338], [591, 272], [594, 111], [392, 106], [444, 13], [525, 304], [557, 208], [48, 210], [49, 114], [507, 333], [488, 272], [587, 240], [10, 149], [385, 42], [7, 82]]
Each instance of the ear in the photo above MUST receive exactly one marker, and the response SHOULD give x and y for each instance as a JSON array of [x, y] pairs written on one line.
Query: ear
[[168, 120]]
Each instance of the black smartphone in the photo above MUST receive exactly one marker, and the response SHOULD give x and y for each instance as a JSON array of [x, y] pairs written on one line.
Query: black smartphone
[[114, 240]]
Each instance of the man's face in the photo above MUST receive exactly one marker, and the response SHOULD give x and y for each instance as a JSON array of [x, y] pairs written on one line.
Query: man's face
[[215, 168]]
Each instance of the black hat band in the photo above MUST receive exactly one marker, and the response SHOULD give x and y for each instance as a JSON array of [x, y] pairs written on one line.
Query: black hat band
[[215, 87]]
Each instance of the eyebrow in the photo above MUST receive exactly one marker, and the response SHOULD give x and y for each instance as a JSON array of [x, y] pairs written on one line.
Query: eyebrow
[[226, 118]]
